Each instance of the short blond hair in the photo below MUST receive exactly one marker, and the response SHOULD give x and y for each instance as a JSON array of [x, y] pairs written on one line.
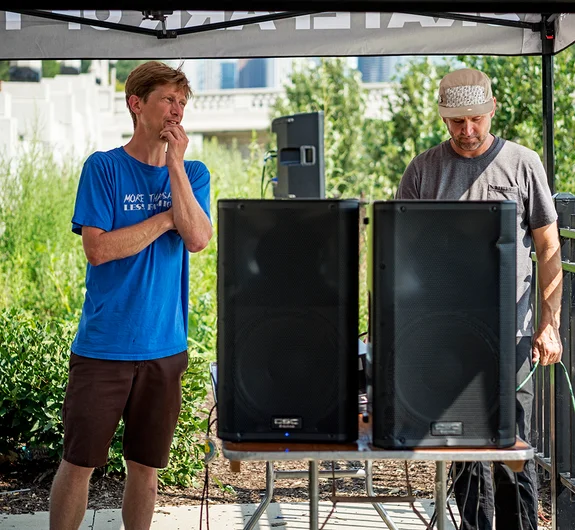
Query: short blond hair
[[146, 77]]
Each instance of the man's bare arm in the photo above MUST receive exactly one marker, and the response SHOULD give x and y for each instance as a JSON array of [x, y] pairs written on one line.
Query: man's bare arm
[[191, 221], [101, 246], [547, 346]]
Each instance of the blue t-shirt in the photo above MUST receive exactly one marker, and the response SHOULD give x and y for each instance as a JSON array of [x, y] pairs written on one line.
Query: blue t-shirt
[[135, 308]]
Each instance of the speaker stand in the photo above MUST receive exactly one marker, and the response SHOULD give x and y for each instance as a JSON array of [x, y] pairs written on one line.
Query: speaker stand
[[314, 474], [440, 493], [270, 477]]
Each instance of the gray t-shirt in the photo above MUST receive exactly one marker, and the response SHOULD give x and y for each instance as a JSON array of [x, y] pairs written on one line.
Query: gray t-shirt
[[507, 171]]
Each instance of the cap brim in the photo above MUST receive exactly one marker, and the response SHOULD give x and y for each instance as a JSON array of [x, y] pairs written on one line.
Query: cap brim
[[472, 110]]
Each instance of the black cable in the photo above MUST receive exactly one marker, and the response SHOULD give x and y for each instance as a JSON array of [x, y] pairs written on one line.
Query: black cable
[[262, 191], [433, 519], [477, 505], [450, 491], [452, 516], [210, 425], [332, 493], [267, 156], [410, 494], [209, 418], [205, 491], [471, 466], [204, 499], [269, 181]]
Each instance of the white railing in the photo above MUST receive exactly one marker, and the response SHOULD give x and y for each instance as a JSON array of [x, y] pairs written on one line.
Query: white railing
[[249, 109], [74, 114]]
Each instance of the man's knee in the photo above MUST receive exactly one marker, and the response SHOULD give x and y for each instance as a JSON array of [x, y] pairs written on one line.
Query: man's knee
[[74, 472], [141, 472]]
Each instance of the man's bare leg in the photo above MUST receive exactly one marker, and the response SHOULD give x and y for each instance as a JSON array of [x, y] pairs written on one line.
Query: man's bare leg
[[140, 494], [69, 496]]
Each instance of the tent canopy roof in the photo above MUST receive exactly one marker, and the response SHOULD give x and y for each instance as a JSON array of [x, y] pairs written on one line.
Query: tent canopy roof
[[251, 31]]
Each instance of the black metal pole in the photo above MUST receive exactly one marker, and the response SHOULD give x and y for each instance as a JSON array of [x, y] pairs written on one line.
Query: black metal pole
[[547, 49], [548, 40]]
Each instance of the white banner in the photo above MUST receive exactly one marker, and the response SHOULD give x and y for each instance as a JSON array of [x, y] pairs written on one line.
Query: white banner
[[324, 34]]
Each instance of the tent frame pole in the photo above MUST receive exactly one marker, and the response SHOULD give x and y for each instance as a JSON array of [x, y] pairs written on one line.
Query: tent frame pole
[[548, 80], [174, 33]]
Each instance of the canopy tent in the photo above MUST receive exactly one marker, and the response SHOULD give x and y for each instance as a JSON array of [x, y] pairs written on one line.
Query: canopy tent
[[256, 29], [117, 34], [261, 28]]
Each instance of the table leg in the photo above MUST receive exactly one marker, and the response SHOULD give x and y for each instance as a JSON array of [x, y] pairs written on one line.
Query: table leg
[[313, 495], [377, 505], [440, 494], [267, 497]]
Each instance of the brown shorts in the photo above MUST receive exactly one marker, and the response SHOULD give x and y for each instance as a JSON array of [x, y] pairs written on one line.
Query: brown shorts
[[147, 394]]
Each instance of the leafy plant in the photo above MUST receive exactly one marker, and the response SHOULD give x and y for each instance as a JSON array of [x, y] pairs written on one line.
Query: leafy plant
[[332, 87], [42, 270], [33, 374], [41, 261], [413, 127], [517, 86]]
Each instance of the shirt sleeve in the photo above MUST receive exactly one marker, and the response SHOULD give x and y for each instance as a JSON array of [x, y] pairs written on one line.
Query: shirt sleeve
[[199, 176], [94, 198], [409, 185]]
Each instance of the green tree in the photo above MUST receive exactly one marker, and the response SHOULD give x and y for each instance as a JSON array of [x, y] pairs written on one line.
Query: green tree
[[50, 68], [124, 67], [517, 86], [86, 63], [413, 124], [335, 89], [4, 70]]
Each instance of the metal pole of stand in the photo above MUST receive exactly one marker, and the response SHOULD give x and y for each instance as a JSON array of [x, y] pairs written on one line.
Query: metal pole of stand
[[377, 505], [267, 497], [313, 495], [440, 495]]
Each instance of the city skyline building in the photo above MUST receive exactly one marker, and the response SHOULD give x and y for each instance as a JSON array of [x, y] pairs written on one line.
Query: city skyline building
[[229, 78], [380, 69], [252, 73], [214, 74]]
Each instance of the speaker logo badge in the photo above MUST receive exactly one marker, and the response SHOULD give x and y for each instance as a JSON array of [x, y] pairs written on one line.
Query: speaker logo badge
[[447, 428], [283, 423]]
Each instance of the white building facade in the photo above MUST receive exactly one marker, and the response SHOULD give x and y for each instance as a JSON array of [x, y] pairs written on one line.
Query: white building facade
[[74, 115]]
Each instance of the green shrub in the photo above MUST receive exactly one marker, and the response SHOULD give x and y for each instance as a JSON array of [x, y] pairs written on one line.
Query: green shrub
[[42, 263], [33, 373], [42, 271], [186, 457]]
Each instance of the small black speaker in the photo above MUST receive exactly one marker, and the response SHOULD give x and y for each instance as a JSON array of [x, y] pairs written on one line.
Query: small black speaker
[[300, 159], [288, 320], [443, 323]]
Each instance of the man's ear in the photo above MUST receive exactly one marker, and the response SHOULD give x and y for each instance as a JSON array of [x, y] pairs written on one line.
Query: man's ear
[[494, 107], [135, 104]]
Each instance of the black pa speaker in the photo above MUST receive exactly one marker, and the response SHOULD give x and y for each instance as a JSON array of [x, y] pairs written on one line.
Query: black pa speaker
[[443, 323], [288, 320], [300, 159]]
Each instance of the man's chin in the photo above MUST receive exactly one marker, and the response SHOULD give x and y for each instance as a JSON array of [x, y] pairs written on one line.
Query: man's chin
[[469, 146]]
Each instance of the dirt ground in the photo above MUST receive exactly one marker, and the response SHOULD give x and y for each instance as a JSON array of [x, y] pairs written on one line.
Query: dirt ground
[[24, 487]]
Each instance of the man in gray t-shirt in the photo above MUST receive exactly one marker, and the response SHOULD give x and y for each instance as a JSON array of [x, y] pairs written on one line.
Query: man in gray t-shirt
[[476, 165]]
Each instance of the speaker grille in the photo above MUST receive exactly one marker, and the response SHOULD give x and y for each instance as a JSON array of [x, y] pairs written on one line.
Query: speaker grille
[[287, 318], [444, 323]]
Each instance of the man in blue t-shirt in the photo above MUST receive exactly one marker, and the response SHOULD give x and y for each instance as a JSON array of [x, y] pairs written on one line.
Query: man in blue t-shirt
[[140, 210]]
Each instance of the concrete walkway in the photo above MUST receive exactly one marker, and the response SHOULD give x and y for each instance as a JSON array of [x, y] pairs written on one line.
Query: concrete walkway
[[292, 516]]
